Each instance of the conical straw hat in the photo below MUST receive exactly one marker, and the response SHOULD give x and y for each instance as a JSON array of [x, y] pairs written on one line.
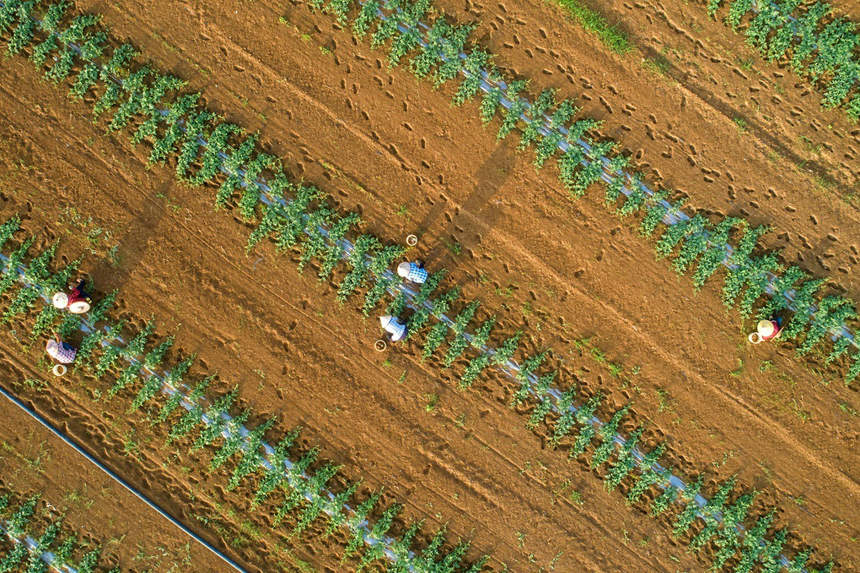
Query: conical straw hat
[[60, 300], [765, 328], [403, 269], [79, 307]]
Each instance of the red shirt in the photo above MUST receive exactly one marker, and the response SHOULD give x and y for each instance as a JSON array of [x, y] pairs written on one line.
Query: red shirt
[[776, 331], [76, 295]]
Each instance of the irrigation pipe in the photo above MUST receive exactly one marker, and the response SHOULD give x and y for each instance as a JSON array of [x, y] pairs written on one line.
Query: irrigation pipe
[[119, 480]]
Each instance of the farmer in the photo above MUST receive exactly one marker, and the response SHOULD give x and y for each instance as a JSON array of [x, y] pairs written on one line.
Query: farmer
[[77, 301], [413, 272], [394, 327], [60, 351], [769, 329]]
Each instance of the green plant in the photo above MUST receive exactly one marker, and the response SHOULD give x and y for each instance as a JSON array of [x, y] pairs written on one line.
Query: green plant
[[528, 366], [315, 242], [662, 502], [340, 8], [586, 432], [89, 562], [831, 314], [610, 35], [13, 558], [804, 299], [189, 420], [404, 542], [9, 14], [250, 456], [233, 443], [688, 516], [544, 407], [474, 64], [512, 114], [24, 32], [20, 519], [378, 268], [473, 370], [459, 344], [714, 507], [216, 414], [380, 528], [607, 433], [149, 389], [10, 269], [334, 248], [362, 248], [338, 517], [649, 475], [89, 343], [479, 339], [63, 554], [126, 377], [361, 513], [626, 461], [213, 156], [566, 419], [45, 321], [368, 14], [238, 157], [654, 211], [175, 400], [505, 351], [274, 475], [434, 339], [297, 486]]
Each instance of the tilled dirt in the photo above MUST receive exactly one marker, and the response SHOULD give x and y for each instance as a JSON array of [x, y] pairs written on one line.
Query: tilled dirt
[[383, 143]]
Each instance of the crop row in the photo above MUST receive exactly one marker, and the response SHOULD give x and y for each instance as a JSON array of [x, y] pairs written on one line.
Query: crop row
[[817, 44], [39, 542], [755, 282], [210, 151], [134, 366]]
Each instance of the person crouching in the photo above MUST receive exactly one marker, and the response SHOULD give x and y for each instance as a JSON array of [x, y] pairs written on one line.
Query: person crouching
[[395, 328], [413, 272]]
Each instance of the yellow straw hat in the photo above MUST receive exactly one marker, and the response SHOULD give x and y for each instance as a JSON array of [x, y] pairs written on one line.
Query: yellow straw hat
[[765, 328]]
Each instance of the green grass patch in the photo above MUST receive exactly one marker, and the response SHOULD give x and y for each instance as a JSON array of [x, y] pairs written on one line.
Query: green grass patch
[[614, 39]]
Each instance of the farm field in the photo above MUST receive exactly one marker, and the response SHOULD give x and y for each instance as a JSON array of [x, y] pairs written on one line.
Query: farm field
[[388, 146]]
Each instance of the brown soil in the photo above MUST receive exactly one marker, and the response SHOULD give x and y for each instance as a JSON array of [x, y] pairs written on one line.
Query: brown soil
[[561, 269]]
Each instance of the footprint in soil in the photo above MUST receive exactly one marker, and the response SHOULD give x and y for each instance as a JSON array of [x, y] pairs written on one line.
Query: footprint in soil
[[605, 103]]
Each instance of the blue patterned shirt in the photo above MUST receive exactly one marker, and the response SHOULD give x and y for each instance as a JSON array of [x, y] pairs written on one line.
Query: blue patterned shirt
[[416, 274]]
